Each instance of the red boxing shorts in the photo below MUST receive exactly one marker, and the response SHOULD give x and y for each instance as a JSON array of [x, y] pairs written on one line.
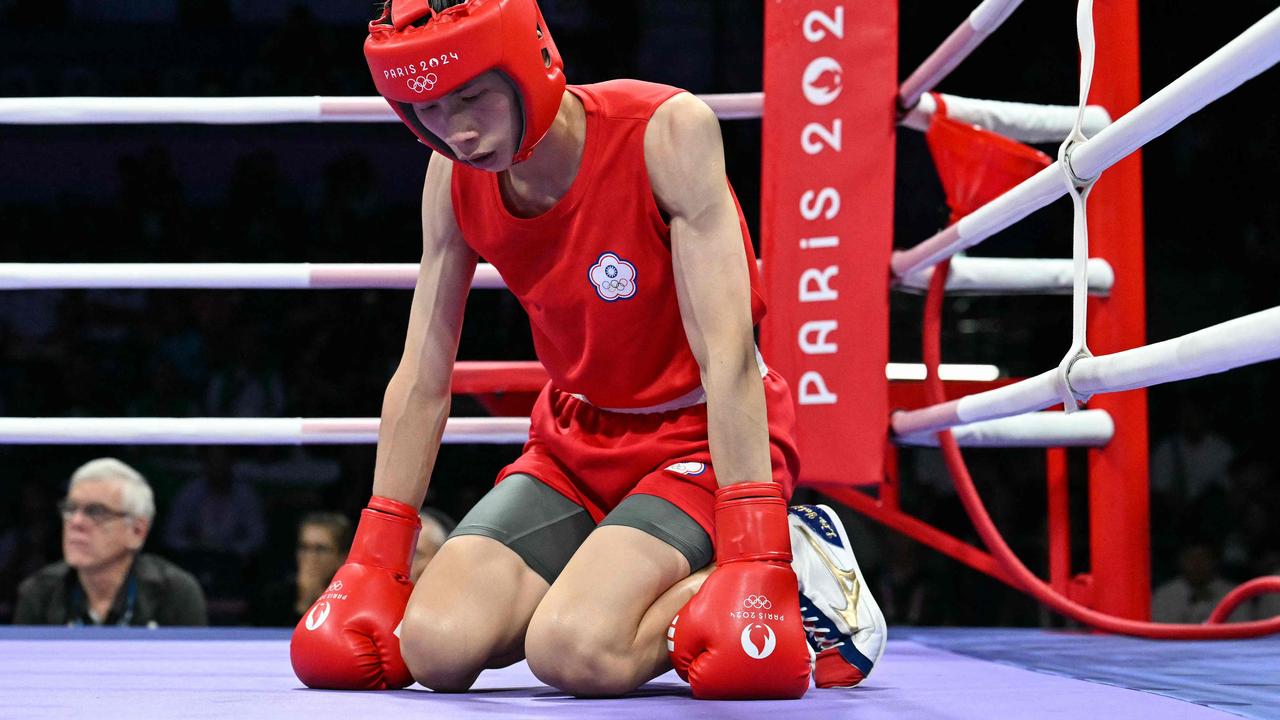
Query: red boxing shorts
[[597, 457]]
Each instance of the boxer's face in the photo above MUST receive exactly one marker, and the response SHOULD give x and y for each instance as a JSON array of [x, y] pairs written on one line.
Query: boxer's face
[[480, 122], [95, 529]]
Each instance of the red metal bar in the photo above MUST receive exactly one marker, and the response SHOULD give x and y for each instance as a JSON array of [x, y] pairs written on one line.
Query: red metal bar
[[1119, 518], [919, 531], [1055, 460], [889, 485]]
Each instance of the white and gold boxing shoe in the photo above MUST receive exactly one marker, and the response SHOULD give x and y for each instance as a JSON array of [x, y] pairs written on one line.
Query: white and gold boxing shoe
[[842, 621]]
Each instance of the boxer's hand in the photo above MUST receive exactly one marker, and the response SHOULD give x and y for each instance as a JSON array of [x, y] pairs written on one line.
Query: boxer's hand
[[741, 637], [347, 640]]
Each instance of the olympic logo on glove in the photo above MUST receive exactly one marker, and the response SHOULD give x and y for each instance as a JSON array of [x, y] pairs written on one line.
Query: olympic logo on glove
[[422, 83], [335, 586], [315, 620], [612, 277], [764, 648], [757, 602]]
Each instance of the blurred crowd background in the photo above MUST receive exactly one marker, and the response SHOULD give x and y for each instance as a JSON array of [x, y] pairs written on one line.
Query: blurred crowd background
[[349, 193]]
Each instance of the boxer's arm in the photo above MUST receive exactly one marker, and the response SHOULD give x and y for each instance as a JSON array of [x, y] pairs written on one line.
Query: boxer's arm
[[685, 159], [416, 403]]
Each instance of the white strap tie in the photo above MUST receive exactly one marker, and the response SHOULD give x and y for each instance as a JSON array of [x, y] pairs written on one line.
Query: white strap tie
[[1078, 188]]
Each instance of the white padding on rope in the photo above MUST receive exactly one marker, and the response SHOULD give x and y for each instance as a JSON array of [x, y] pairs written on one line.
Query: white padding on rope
[[136, 110], [1012, 276], [1088, 428], [40, 276], [255, 110], [240, 431], [1244, 341], [223, 276], [1255, 50], [1024, 122]]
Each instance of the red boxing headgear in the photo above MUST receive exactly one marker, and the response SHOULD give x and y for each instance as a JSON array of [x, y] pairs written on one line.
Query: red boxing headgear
[[419, 55]]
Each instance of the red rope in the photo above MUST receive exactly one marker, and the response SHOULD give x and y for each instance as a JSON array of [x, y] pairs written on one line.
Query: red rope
[[1214, 629]]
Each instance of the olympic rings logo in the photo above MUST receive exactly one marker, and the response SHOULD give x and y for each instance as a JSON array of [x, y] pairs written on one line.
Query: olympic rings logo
[[757, 602], [618, 286], [422, 83], [335, 586]]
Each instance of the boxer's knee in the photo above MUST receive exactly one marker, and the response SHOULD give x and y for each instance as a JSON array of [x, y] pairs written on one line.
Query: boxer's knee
[[581, 656], [435, 649]]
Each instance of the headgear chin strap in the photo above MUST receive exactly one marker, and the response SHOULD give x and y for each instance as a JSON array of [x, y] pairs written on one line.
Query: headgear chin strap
[[419, 55]]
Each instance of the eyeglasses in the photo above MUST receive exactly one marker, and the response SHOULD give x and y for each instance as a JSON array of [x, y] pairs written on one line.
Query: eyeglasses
[[96, 512]]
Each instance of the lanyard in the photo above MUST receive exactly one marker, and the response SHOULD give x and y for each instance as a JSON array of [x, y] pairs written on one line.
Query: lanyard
[[78, 599]]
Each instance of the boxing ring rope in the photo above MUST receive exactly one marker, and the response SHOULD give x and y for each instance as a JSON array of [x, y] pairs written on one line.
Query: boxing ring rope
[[973, 276], [1253, 51], [1024, 122], [989, 15], [1021, 121], [1085, 429], [1003, 276], [1244, 341], [241, 431], [255, 110]]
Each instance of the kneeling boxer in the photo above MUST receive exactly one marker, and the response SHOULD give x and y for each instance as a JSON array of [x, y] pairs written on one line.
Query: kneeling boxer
[[662, 441]]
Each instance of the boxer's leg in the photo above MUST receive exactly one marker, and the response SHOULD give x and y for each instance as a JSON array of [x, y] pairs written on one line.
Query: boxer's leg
[[602, 628], [471, 607]]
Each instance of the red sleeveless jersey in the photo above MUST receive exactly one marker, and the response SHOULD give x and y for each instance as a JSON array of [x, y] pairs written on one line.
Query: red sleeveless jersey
[[594, 272]]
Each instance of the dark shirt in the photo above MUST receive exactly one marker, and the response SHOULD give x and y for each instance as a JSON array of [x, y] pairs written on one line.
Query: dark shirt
[[274, 605], [155, 592]]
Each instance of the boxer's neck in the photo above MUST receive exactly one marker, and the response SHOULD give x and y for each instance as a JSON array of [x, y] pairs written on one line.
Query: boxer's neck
[[537, 184]]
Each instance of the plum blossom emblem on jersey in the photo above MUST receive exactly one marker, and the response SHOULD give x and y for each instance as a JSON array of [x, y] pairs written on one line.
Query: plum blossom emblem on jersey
[[688, 468], [613, 278]]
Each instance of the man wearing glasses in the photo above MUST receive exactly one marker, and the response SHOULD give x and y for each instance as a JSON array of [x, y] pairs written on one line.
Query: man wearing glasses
[[103, 578]]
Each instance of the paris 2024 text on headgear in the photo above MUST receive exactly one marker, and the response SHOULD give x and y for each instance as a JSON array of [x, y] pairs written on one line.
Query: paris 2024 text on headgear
[[417, 55]]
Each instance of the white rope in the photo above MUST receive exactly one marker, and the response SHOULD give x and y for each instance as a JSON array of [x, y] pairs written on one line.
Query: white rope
[[1012, 276], [1255, 50], [1087, 428], [255, 110], [973, 276], [1244, 341], [1021, 121], [962, 41], [1024, 122], [223, 276], [240, 431]]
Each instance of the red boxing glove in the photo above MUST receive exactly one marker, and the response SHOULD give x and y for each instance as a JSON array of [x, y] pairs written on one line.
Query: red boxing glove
[[741, 637], [347, 640]]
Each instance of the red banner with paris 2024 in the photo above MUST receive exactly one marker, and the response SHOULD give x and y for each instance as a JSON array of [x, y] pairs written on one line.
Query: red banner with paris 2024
[[827, 225]]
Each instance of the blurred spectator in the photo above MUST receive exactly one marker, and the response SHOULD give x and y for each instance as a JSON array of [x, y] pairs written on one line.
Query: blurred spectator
[[216, 512], [250, 387], [436, 527], [215, 528], [323, 541], [103, 578], [29, 537], [1193, 462], [1192, 595]]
